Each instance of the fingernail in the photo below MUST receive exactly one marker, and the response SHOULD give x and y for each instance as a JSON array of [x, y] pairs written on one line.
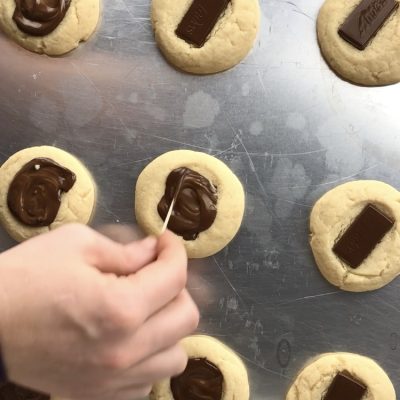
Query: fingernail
[[150, 242]]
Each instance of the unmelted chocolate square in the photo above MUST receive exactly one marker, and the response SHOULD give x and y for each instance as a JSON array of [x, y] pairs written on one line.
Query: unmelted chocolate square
[[200, 20], [344, 387], [362, 236], [366, 20]]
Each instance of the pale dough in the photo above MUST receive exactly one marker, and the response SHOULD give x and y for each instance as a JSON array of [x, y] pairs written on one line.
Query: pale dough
[[378, 64], [79, 23], [236, 383], [77, 205], [150, 188], [314, 380], [332, 215], [229, 42]]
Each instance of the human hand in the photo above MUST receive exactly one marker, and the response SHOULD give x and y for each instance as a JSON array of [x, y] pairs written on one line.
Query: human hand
[[86, 318]]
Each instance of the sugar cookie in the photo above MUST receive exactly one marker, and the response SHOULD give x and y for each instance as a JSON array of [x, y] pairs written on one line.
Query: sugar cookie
[[209, 207], [355, 235], [42, 188], [334, 376], [180, 27], [42, 28], [214, 371], [379, 63]]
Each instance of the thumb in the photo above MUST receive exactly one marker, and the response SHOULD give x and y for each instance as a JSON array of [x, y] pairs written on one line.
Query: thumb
[[141, 253], [112, 257]]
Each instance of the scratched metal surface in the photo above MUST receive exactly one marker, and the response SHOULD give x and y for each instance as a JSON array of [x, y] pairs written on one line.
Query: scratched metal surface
[[285, 124]]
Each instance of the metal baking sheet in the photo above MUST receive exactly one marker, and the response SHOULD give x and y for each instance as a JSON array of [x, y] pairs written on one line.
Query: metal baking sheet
[[285, 124]]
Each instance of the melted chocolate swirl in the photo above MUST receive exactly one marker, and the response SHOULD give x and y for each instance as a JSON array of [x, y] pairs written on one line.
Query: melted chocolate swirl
[[39, 17], [195, 205], [201, 380], [34, 195]]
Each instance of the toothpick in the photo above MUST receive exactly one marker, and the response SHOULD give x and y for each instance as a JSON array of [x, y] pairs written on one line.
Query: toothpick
[[167, 218], [171, 207]]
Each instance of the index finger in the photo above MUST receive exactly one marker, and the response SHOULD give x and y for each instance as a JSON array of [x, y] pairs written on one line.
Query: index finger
[[162, 280]]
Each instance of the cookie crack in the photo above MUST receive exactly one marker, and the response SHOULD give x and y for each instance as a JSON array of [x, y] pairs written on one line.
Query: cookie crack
[[76, 13]]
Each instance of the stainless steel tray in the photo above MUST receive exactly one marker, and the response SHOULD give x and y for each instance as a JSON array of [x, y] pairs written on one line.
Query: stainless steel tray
[[286, 125]]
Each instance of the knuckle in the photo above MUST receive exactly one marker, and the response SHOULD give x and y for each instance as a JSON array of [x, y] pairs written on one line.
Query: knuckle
[[180, 363], [193, 316], [190, 313], [116, 360], [76, 229], [120, 318], [182, 255], [118, 315], [181, 277], [79, 234]]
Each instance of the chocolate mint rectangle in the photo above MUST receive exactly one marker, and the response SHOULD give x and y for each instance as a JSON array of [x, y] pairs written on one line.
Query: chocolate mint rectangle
[[361, 237], [200, 20], [366, 20], [345, 387]]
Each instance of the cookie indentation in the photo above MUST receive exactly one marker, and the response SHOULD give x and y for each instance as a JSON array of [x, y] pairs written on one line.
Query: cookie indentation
[[201, 380], [34, 195], [195, 203], [39, 17], [345, 387]]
